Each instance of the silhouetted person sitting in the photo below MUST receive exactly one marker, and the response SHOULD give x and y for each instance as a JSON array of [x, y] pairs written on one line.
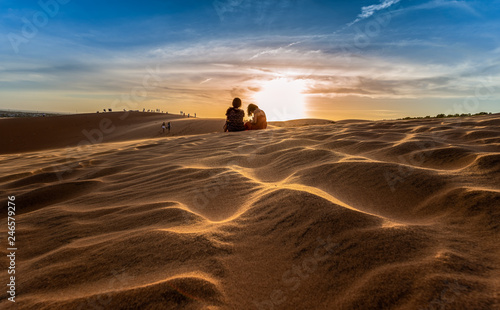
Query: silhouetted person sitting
[[234, 120], [259, 120]]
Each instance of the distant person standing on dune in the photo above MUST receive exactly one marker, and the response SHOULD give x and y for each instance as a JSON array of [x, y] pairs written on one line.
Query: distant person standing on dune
[[163, 127], [168, 127], [259, 120], [234, 120]]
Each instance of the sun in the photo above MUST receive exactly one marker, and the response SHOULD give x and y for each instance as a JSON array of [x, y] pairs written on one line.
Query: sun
[[282, 99]]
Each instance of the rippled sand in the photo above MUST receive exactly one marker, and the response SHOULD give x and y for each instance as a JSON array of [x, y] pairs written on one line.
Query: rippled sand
[[350, 215]]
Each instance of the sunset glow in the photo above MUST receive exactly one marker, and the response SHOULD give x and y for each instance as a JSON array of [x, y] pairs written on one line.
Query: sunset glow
[[282, 99]]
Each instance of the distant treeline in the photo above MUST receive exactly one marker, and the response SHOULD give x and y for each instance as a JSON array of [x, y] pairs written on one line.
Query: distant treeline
[[446, 116]]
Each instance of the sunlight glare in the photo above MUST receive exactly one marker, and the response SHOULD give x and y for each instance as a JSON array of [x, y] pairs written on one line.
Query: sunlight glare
[[282, 99]]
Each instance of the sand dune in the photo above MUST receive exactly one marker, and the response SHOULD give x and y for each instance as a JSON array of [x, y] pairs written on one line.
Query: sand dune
[[40, 133], [306, 215]]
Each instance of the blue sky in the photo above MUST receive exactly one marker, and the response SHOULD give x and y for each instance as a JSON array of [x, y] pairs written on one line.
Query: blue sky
[[340, 59]]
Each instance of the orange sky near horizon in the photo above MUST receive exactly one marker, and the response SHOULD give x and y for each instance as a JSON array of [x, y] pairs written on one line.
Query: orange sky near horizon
[[278, 103]]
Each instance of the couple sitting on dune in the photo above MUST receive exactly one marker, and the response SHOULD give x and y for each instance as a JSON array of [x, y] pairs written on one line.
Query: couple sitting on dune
[[234, 120]]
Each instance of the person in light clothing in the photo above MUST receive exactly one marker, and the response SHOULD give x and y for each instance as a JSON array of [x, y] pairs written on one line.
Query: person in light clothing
[[259, 120]]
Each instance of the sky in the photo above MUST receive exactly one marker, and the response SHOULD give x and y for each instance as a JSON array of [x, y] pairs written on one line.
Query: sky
[[368, 59]]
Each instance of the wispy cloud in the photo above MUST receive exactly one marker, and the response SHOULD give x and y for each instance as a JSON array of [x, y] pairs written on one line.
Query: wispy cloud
[[463, 5], [196, 66], [206, 81], [273, 51], [368, 11]]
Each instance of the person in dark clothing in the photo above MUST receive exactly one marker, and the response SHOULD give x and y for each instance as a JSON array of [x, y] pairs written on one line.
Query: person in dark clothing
[[234, 120]]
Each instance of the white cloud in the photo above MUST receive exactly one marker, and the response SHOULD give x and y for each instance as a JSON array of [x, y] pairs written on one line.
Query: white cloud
[[368, 11], [206, 81], [273, 51]]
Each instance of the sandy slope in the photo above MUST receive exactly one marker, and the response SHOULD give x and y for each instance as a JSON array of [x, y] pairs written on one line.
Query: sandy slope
[[352, 215], [39, 133]]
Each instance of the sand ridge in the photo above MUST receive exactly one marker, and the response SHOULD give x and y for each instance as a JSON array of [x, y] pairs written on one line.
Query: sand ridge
[[346, 215]]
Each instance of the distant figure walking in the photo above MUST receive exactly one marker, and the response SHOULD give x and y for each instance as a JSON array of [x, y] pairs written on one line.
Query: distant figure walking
[[259, 120], [234, 120], [168, 127], [163, 127]]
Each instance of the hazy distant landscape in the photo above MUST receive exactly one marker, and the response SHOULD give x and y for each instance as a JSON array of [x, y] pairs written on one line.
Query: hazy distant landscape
[[13, 113]]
